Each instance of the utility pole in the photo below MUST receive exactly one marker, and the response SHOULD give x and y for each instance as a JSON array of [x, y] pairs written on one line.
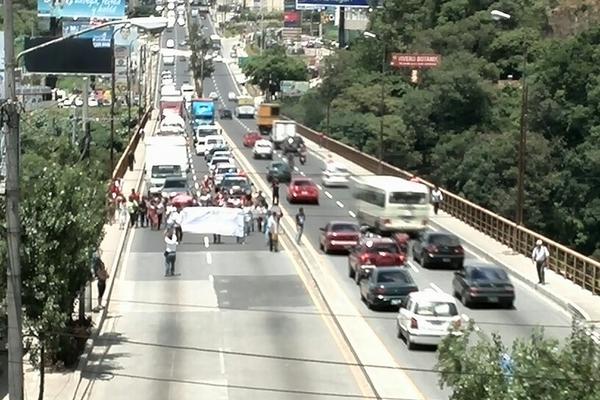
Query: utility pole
[[522, 142], [86, 95], [342, 28], [13, 220], [129, 95]]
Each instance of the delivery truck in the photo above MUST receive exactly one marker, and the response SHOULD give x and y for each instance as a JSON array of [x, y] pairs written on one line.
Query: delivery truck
[[282, 130], [166, 156]]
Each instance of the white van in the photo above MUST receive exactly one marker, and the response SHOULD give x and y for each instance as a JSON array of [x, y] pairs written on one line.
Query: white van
[[200, 146], [335, 174], [212, 141], [166, 156]]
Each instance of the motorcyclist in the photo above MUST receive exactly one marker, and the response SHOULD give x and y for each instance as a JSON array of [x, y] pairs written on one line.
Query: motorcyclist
[[290, 160], [302, 152]]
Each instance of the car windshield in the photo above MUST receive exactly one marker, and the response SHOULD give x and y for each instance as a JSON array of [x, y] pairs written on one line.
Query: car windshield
[[436, 309], [162, 171], [279, 166], [304, 183], [175, 184], [227, 170], [393, 277], [235, 182], [407, 198], [383, 248], [488, 274], [263, 144], [344, 228], [444, 240]]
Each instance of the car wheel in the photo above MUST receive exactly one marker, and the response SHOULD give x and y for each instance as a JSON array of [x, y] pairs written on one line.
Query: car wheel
[[351, 271]]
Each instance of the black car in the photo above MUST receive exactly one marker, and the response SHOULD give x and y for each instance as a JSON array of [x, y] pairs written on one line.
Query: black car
[[483, 283], [225, 114], [438, 248], [387, 286], [236, 185], [280, 171]]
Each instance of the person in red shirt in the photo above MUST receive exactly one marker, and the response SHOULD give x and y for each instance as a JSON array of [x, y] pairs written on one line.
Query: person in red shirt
[[134, 196]]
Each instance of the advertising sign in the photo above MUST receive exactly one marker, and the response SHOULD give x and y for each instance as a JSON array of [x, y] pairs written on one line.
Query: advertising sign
[[402, 60], [293, 88], [121, 58], [100, 38], [82, 8], [307, 4], [70, 56], [289, 5], [203, 108], [292, 19]]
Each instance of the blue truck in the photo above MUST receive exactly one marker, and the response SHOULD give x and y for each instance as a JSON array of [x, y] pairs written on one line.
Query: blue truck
[[203, 118]]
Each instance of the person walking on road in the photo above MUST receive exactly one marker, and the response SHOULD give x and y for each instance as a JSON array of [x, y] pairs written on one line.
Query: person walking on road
[[436, 198], [275, 188], [143, 212], [132, 207], [300, 218], [540, 257], [170, 252], [102, 276], [130, 160], [175, 219], [273, 232]]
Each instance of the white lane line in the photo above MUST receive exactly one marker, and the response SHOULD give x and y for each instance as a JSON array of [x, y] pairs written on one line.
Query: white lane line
[[224, 291], [302, 173], [206, 242], [211, 279], [221, 360], [296, 169], [436, 287], [328, 194], [339, 204], [412, 266], [198, 193], [320, 187], [208, 258], [196, 185], [352, 214]]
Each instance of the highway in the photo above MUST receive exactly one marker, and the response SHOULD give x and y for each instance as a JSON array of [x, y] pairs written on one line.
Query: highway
[[193, 336], [531, 309]]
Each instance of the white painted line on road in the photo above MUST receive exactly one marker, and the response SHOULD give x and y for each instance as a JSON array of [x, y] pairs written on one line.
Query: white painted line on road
[[320, 187], [328, 194], [352, 214], [436, 287], [208, 258], [221, 360], [224, 291], [412, 266], [340, 204], [302, 173], [196, 184], [211, 279], [296, 169], [206, 242], [198, 193]]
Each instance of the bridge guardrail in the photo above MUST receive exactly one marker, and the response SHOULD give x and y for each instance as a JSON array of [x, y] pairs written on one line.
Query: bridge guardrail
[[121, 166], [574, 266]]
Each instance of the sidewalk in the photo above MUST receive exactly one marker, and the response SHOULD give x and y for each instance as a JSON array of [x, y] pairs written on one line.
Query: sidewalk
[[576, 300]]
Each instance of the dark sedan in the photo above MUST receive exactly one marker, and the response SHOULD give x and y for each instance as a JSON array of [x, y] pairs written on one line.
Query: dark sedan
[[225, 114], [483, 283], [438, 248], [280, 171], [387, 287]]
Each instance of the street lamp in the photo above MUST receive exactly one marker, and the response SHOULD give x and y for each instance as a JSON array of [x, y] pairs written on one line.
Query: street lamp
[[13, 223], [522, 148], [370, 35]]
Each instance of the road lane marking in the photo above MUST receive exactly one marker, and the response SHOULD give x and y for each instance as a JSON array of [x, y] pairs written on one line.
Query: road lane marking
[[296, 169], [196, 185], [206, 242], [198, 193], [208, 258], [302, 173], [339, 204], [320, 187], [436, 287], [328, 194], [352, 214], [221, 360], [211, 279]]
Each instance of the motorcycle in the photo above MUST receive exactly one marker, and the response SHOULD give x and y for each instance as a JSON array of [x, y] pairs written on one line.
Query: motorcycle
[[302, 158]]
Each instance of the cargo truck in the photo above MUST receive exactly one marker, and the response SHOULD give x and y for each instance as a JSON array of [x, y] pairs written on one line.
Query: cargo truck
[[265, 116], [282, 130], [166, 156], [202, 112], [173, 105]]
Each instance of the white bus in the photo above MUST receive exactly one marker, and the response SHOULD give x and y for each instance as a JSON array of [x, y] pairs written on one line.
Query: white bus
[[215, 40], [392, 204]]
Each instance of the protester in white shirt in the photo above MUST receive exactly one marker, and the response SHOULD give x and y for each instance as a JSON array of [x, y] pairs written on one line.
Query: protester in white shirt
[[540, 256], [273, 231], [170, 252], [174, 221], [436, 198]]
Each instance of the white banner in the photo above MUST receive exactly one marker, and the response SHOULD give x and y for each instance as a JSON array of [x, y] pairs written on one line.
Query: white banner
[[207, 220]]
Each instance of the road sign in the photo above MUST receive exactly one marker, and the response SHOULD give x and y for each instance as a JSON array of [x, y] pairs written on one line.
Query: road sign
[[402, 60]]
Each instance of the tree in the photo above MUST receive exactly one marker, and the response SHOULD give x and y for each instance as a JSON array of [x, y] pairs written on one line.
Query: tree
[[536, 367], [273, 66], [202, 65]]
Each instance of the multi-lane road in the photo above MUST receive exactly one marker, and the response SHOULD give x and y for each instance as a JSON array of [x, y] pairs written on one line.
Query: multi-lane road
[[230, 323]]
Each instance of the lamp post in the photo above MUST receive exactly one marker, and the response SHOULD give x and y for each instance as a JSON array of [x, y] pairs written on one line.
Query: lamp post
[[13, 222], [371, 35], [522, 148]]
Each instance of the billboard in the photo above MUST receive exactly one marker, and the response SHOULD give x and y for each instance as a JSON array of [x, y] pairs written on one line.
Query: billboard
[[289, 5], [293, 88], [82, 8], [292, 19], [71, 56], [401, 60], [100, 38], [308, 4], [203, 108], [121, 59]]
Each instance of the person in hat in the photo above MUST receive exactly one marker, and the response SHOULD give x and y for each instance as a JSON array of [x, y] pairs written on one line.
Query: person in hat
[[540, 257]]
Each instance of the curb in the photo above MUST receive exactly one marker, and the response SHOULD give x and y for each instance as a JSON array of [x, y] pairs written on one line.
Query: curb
[[576, 311]]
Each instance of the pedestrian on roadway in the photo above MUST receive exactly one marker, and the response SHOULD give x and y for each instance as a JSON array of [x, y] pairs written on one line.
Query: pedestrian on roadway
[[436, 198], [132, 207], [130, 160], [300, 218], [170, 252], [160, 211], [152, 215], [540, 257], [143, 211], [134, 195], [273, 232], [275, 188]]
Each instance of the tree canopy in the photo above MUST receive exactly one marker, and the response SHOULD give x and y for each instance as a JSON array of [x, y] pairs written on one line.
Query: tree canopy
[[442, 127]]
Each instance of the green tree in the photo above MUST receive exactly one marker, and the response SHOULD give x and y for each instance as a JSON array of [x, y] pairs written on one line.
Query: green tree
[[540, 367], [202, 65]]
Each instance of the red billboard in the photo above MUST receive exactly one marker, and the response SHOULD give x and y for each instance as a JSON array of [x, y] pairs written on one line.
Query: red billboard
[[402, 60], [292, 19]]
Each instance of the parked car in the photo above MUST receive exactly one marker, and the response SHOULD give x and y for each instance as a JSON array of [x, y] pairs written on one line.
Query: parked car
[[303, 190], [386, 287], [426, 317], [280, 171], [483, 283], [339, 236], [224, 113], [263, 149], [372, 253], [250, 138], [438, 248]]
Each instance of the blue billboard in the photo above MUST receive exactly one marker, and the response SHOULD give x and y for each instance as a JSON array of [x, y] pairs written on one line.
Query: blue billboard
[[204, 109], [82, 8], [314, 4], [100, 38]]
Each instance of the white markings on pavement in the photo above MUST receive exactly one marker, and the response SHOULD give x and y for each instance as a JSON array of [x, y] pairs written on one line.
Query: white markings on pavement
[[436, 287], [208, 258], [412, 266], [320, 187], [352, 214], [339, 204], [206, 242], [328, 194], [198, 193], [221, 360], [196, 184], [302, 173], [211, 279], [296, 169]]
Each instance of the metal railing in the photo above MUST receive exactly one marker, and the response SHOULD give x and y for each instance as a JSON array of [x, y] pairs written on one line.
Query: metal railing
[[121, 166], [574, 266]]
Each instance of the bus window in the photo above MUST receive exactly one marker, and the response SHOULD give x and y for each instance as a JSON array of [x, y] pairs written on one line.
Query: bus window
[[407, 198]]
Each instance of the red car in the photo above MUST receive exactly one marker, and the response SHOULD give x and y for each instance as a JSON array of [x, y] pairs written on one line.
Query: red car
[[184, 200], [372, 253], [250, 138], [339, 236], [302, 190]]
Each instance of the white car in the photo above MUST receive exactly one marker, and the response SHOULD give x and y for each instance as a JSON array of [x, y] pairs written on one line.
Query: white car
[[169, 60], [215, 161], [223, 169], [170, 44], [232, 96], [426, 318], [263, 149], [214, 96], [181, 21], [200, 146], [335, 174]]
